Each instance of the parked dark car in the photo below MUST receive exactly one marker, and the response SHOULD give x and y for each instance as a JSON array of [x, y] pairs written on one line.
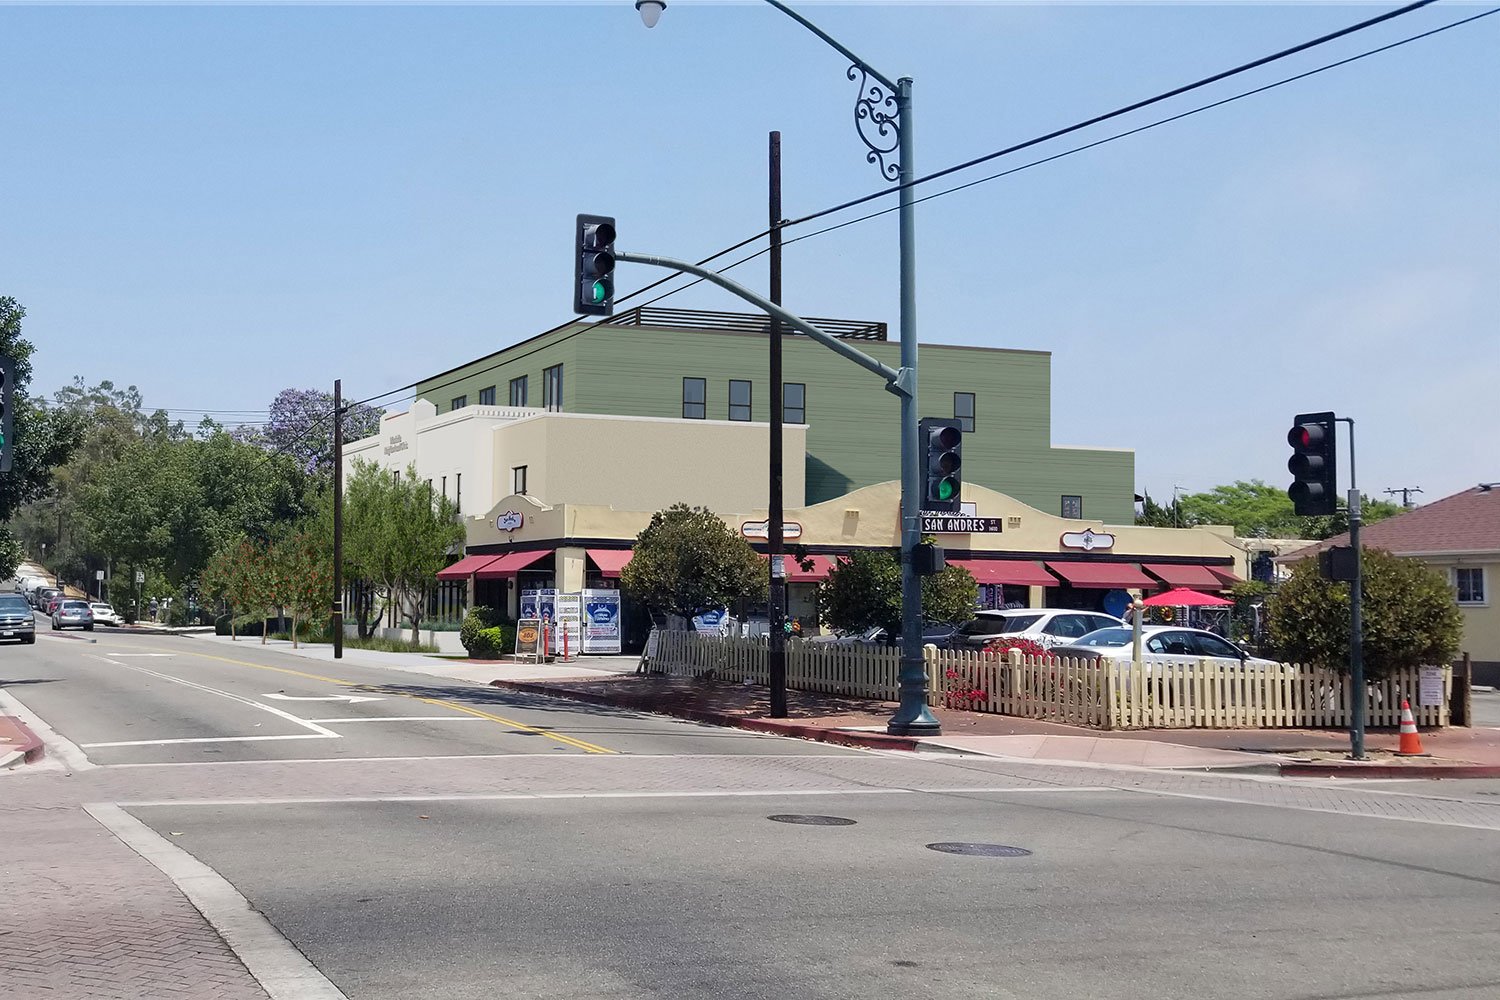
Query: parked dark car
[[41, 596], [71, 613], [16, 619]]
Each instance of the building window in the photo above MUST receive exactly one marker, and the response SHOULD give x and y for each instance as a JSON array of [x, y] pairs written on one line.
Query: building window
[[552, 393], [1072, 506], [1469, 581], [518, 480], [459, 402], [739, 399], [963, 411], [458, 493], [518, 391], [794, 403], [487, 396], [694, 398], [445, 487]]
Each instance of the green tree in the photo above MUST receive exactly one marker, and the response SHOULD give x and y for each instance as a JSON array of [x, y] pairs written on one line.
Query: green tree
[[1154, 515], [1410, 616], [687, 561], [303, 577], [1256, 509], [864, 591]]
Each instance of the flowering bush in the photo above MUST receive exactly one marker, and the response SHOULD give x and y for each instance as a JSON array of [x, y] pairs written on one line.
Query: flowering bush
[[961, 693], [999, 648]]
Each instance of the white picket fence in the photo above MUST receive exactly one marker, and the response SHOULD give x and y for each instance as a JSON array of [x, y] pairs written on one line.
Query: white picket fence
[[1104, 694]]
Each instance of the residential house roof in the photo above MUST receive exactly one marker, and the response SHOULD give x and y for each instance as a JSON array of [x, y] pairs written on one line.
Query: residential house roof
[[1465, 522]]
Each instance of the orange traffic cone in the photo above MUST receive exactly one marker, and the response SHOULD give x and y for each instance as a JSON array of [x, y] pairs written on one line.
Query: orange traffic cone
[[1411, 741]]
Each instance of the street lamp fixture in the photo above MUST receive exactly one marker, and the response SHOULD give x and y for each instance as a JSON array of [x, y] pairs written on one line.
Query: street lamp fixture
[[650, 11]]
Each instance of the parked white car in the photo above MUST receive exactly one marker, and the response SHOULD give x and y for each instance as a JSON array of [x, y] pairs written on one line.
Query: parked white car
[[1160, 643], [104, 614], [1045, 626]]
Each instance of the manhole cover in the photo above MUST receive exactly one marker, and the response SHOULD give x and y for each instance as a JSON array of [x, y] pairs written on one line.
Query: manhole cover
[[981, 850], [810, 820]]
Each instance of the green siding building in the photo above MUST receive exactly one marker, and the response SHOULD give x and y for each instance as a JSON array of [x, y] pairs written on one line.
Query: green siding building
[[648, 362]]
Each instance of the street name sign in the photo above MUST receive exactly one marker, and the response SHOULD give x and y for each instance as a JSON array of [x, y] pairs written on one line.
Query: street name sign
[[959, 524]]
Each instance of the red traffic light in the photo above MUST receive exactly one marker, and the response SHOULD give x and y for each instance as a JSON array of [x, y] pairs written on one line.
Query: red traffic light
[[1305, 436]]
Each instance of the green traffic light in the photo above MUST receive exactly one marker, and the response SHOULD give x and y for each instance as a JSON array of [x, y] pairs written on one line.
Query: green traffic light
[[599, 292], [946, 490]]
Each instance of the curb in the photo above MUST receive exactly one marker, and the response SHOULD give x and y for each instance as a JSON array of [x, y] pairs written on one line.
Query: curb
[[1386, 771], [31, 748], [838, 737]]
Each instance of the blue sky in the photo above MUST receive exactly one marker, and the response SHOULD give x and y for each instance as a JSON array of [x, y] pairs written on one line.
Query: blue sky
[[214, 203]]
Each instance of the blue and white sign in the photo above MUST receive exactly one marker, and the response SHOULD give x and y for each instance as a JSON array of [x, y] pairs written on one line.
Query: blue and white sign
[[714, 622], [601, 621], [538, 604]]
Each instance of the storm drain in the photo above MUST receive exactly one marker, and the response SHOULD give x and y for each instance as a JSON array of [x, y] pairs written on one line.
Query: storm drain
[[801, 820], [980, 850]]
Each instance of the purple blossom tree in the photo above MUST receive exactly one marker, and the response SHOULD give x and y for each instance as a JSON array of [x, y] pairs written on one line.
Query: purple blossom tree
[[301, 425]]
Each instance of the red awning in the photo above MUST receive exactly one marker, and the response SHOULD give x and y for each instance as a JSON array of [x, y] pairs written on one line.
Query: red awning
[[1178, 575], [1017, 572], [466, 566], [821, 567], [510, 564], [1226, 575], [610, 561], [1102, 575]]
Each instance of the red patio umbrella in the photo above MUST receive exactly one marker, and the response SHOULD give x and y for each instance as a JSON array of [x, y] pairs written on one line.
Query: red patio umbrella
[[1182, 597]]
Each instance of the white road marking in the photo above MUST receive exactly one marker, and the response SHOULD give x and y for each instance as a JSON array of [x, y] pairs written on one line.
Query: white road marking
[[1316, 809], [403, 718], [352, 699], [58, 746], [210, 739], [143, 654], [327, 733], [274, 961], [531, 796]]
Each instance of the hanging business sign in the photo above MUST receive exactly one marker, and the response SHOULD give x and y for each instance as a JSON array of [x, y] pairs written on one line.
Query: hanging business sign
[[510, 520], [1088, 540], [762, 529], [959, 524]]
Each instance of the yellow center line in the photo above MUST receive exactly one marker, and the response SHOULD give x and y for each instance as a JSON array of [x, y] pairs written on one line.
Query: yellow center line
[[523, 727]]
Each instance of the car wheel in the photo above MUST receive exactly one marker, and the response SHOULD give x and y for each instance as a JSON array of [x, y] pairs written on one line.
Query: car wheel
[[88, 628]]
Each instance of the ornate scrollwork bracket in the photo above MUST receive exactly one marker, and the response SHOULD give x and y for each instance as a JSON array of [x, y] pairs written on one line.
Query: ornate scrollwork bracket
[[877, 119]]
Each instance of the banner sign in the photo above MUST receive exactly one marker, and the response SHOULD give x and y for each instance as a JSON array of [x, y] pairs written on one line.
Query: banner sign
[[714, 622], [601, 621]]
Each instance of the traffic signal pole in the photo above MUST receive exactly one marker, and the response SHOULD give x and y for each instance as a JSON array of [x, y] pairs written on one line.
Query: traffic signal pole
[[338, 519], [1356, 612], [775, 541]]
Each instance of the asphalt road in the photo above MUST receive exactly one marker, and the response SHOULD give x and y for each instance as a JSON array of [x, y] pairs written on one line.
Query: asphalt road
[[132, 699], [680, 899]]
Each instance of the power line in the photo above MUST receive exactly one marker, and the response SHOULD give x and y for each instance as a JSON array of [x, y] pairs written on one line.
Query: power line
[[1167, 95], [999, 153], [1148, 126]]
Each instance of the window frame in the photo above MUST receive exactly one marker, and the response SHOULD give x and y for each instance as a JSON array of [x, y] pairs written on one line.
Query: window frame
[[518, 481], [458, 493], [521, 382], [459, 402], [487, 396], [966, 422], [787, 408], [701, 402], [1063, 506], [552, 388], [1483, 600], [748, 405]]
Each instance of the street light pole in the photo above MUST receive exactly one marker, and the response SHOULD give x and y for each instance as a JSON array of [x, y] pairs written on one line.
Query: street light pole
[[883, 120]]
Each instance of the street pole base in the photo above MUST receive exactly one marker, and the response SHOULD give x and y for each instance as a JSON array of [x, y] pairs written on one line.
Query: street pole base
[[921, 723]]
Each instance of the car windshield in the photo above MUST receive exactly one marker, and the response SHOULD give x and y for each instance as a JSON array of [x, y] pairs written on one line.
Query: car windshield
[[74, 606], [1000, 626], [1105, 637], [13, 604]]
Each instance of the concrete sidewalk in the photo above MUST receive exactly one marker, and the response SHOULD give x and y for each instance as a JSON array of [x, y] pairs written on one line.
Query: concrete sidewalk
[[471, 671], [856, 722]]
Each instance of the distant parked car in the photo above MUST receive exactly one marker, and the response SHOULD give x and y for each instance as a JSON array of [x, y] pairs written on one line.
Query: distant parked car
[[1160, 643], [1044, 626], [41, 596], [104, 614], [72, 614], [936, 635], [16, 619], [53, 602]]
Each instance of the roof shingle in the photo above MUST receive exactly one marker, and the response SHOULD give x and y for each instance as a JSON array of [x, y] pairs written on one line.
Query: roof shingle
[[1465, 522]]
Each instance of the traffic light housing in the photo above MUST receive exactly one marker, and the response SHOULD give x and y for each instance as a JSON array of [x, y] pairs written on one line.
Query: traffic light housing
[[594, 265], [7, 407], [943, 442], [1314, 464]]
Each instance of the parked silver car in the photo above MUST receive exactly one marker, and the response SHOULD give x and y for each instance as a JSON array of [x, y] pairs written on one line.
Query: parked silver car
[[1160, 643], [73, 614]]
